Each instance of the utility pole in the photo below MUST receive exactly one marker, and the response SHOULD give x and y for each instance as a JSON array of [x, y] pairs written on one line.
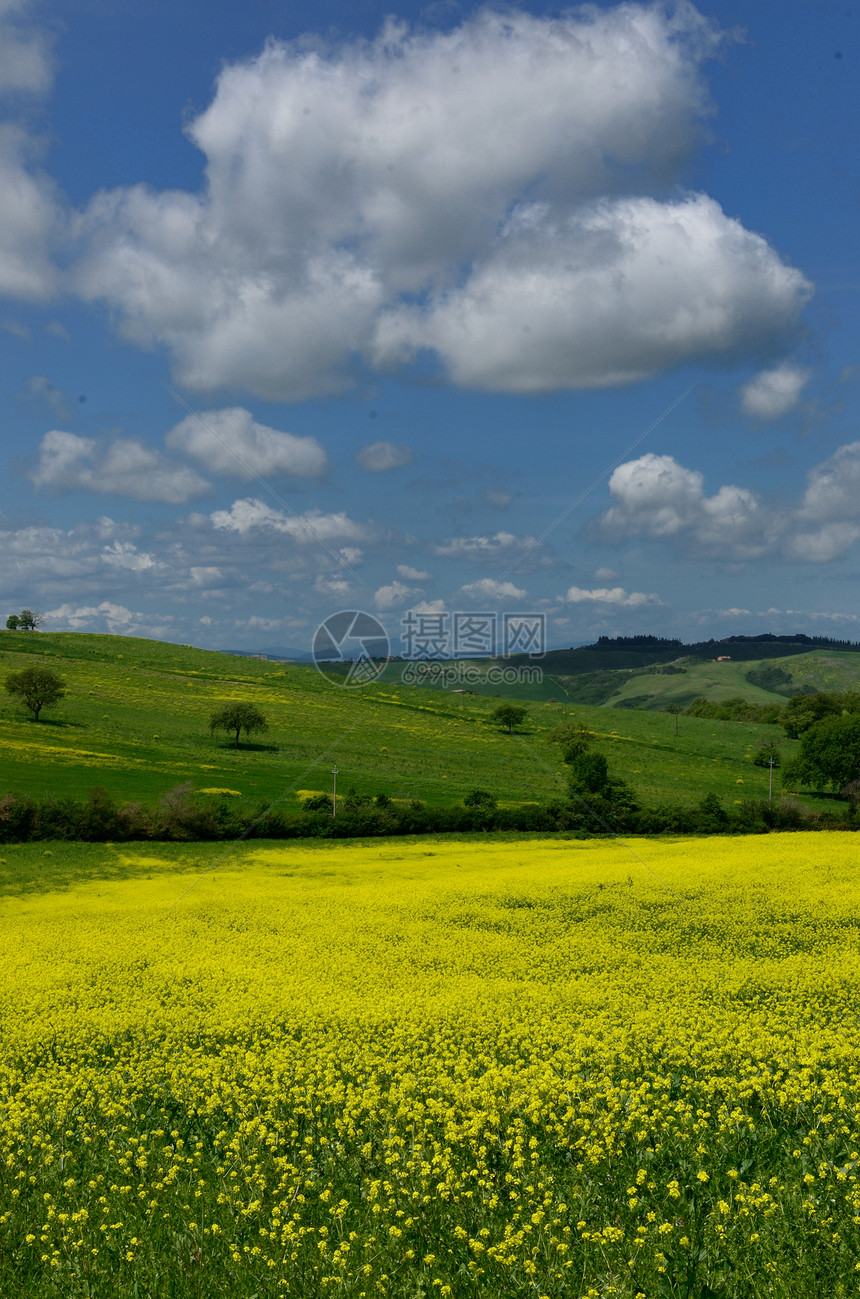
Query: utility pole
[[334, 791]]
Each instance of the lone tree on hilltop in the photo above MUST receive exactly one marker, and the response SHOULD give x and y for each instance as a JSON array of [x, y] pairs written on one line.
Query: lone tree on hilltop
[[29, 620], [38, 687], [237, 718], [509, 715]]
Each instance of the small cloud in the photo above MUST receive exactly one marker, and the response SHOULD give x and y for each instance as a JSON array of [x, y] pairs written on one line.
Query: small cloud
[[611, 595], [351, 555], [487, 588], [773, 393], [382, 456], [411, 574], [312, 526], [331, 586], [57, 329], [205, 574], [123, 554], [15, 328], [395, 593], [429, 606], [604, 575], [498, 498], [230, 442], [40, 388], [501, 545]]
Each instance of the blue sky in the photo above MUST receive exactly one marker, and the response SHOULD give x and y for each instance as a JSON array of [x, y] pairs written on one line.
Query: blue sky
[[446, 308]]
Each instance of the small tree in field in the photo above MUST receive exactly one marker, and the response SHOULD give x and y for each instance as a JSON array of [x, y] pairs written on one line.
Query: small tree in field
[[509, 715], [238, 717], [12, 622], [481, 798], [38, 687], [28, 620]]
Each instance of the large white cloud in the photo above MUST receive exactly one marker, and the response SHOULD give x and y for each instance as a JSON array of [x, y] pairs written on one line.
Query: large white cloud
[[231, 442], [124, 467], [31, 220], [656, 498], [25, 59], [612, 294], [828, 519], [31, 216], [485, 193]]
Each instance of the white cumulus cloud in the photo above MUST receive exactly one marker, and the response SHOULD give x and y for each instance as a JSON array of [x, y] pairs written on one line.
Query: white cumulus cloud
[[656, 497], [488, 588], [393, 594], [619, 291], [31, 213], [250, 514], [381, 456], [231, 442], [772, 393], [487, 193], [611, 595], [124, 467]]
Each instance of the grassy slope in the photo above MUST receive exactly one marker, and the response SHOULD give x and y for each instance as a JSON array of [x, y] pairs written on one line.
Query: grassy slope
[[136, 721]]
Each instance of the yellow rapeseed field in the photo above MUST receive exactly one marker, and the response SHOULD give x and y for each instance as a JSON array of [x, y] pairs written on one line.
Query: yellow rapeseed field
[[435, 1068]]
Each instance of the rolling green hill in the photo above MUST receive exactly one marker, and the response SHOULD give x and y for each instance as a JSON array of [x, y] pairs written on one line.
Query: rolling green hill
[[135, 720]]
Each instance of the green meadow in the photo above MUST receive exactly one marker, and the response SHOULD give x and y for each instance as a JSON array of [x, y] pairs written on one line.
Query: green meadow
[[135, 720]]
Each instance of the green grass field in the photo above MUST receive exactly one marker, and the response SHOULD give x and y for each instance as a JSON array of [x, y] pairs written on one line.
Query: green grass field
[[135, 720]]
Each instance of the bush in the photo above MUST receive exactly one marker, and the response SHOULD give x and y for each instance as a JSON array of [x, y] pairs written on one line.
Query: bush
[[481, 798]]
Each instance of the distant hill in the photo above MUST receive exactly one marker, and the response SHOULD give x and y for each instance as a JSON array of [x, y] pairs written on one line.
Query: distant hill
[[611, 653], [279, 653]]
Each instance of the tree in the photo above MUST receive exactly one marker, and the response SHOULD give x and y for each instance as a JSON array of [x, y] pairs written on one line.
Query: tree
[[829, 754], [509, 715], [574, 738], [12, 622], [804, 711], [768, 750], [589, 773], [38, 687], [238, 717], [28, 620], [481, 798]]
